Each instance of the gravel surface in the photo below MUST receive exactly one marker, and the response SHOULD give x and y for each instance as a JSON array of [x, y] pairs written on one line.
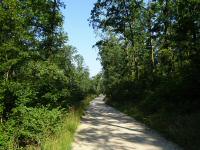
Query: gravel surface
[[105, 128]]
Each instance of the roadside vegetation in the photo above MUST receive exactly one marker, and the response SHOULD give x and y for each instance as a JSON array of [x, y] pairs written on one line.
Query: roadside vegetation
[[43, 81], [64, 137], [150, 56]]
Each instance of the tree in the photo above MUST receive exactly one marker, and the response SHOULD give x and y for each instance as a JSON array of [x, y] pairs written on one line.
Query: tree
[[150, 58], [39, 79]]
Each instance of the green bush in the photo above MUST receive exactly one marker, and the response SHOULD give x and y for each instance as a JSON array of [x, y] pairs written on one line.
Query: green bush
[[29, 126]]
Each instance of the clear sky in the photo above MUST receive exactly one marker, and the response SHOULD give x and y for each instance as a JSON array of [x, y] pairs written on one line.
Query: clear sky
[[80, 34]]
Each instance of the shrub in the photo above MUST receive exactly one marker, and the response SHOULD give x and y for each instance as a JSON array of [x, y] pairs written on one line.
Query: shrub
[[29, 126]]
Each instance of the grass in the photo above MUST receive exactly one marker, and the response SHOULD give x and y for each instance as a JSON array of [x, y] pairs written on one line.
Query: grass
[[63, 139]]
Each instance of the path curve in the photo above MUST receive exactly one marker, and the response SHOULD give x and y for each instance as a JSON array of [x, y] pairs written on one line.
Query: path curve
[[105, 128]]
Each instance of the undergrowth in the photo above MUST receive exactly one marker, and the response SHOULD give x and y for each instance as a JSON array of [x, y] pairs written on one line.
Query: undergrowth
[[182, 129], [63, 138]]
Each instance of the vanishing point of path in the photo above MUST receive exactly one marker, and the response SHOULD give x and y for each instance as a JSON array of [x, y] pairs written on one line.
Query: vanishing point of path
[[104, 128]]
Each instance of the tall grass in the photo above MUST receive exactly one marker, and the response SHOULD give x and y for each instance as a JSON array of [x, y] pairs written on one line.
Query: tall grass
[[63, 139]]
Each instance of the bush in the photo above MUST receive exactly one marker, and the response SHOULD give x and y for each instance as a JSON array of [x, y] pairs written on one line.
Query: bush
[[29, 126]]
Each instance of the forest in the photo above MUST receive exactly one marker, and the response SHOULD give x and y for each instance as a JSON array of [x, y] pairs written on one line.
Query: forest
[[150, 57], [42, 78], [149, 51]]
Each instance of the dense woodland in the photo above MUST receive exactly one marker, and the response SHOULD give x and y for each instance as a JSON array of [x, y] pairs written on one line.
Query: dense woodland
[[41, 76], [149, 50]]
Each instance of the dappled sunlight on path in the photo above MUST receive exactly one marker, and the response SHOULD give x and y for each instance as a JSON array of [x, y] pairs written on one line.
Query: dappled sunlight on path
[[104, 128]]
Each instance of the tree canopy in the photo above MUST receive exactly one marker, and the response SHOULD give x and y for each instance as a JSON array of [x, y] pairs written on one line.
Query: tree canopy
[[150, 57], [41, 76]]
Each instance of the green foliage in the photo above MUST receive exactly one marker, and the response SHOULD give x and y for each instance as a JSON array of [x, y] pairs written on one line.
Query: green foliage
[[41, 76], [97, 84], [150, 58], [63, 138], [30, 126]]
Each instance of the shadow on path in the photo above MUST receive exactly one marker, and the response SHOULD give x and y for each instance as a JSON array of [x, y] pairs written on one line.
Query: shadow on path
[[104, 128]]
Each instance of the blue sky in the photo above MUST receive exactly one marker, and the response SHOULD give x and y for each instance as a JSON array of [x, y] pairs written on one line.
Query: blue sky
[[80, 34]]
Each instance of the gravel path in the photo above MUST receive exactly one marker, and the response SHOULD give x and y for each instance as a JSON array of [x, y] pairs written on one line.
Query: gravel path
[[105, 128]]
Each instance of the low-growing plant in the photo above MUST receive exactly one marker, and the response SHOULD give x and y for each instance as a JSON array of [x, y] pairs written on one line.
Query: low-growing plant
[[30, 126]]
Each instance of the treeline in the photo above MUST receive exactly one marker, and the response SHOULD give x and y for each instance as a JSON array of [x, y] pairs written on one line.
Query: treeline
[[41, 77], [151, 62]]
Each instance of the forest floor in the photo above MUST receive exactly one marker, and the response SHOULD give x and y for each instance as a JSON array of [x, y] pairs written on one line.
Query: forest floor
[[105, 128]]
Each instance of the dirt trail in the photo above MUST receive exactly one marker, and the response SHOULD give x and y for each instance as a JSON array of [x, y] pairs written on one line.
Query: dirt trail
[[104, 128]]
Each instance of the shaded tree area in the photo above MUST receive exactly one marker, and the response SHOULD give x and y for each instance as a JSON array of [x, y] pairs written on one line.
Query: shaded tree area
[[151, 62], [41, 77]]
